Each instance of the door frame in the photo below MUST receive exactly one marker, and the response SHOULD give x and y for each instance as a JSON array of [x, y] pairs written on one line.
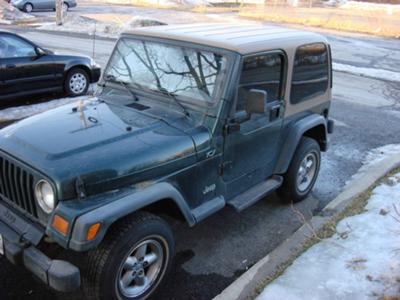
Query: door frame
[[284, 79], [235, 97]]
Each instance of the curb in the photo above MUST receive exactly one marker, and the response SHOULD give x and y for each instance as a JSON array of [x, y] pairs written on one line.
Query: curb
[[246, 285], [82, 35]]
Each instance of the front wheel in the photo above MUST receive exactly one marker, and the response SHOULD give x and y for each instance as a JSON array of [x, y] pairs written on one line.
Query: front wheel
[[77, 82], [132, 261], [302, 172]]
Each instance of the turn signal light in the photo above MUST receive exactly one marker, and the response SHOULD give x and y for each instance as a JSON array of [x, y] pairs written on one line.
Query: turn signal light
[[60, 224], [92, 231]]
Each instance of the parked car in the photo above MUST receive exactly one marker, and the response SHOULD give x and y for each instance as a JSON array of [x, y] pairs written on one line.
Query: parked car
[[189, 119], [26, 69], [33, 5]]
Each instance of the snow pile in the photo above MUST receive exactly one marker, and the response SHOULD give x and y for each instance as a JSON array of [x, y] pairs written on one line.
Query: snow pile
[[361, 261], [367, 72], [10, 14], [82, 24], [370, 6], [20, 112], [374, 157]]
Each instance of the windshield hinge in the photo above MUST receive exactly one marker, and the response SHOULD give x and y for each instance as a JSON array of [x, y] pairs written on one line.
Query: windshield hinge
[[80, 188]]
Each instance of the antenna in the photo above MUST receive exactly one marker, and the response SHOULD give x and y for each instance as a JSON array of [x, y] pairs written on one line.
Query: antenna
[[94, 39]]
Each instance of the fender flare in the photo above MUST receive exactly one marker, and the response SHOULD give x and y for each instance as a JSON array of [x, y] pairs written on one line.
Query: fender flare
[[295, 133], [82, 63], [115, 210]]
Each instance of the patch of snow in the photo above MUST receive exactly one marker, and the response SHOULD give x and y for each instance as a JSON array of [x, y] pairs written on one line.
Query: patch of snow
[[82, 24], [367, 72], [10, 14], [361, 261], [20, 112], [374, 157], [357, 5]]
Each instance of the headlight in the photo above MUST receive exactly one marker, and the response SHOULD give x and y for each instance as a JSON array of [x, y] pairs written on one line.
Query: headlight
[[45, 196]]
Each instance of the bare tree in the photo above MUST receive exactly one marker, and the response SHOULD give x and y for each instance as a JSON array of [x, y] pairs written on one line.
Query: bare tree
[[59, 12]]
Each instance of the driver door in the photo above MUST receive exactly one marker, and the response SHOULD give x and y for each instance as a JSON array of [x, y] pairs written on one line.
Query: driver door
[[251, 142]]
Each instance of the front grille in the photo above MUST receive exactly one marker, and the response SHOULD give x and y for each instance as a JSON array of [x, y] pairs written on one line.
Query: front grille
[[17, 186]]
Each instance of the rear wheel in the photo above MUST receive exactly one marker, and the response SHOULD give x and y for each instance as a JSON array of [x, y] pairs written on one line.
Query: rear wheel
[[132, 261], [302, 172], [65, 7], [28, 7]]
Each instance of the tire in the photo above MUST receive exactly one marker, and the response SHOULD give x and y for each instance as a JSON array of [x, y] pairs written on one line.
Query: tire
[[28, 7], [306, 162], [104, 270], [77, 82], [65, 7]]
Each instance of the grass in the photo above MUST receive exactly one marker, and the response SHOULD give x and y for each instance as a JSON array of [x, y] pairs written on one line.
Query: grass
[[357, 206], [376, 23]]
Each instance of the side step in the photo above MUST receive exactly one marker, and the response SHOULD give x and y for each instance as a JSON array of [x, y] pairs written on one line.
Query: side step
[[256, 193]]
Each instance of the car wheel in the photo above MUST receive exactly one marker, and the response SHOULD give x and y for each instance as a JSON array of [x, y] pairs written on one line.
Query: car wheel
[[65, 7], [302, 172], [132, 261], [28, 7], [77, 82]]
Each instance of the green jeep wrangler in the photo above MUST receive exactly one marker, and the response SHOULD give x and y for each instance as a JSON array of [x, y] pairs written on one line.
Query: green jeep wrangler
[[187, 119]]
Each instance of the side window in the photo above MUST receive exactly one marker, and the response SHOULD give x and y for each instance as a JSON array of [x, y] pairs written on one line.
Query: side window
[[11, 46], [310, 72], [262, 72]]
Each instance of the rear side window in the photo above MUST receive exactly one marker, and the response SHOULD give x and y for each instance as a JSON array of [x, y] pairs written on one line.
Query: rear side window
[[310, 72]]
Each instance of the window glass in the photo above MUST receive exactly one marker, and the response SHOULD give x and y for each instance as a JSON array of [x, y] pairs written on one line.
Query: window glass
[[310, 72], [262, 72], [11, 46], [194, 74]]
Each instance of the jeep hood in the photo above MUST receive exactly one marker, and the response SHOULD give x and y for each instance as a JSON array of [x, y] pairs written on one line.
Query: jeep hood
[[106, 146]]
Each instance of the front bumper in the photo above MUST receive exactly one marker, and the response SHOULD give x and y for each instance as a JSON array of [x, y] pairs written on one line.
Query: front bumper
[[60, 275]]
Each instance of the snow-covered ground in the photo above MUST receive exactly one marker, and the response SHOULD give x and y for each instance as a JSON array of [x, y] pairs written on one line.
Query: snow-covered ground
[[9, 14], [357, 5], [83, 24], [361, 261]]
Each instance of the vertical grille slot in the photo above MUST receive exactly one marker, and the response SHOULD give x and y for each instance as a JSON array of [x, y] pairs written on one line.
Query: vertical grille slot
[[16, 186]]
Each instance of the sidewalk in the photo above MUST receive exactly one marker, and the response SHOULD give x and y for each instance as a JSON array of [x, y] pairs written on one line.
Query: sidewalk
[[361, 261]]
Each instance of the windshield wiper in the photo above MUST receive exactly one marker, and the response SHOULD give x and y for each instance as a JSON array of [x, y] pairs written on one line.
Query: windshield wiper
[[164, 91], [112, 78]]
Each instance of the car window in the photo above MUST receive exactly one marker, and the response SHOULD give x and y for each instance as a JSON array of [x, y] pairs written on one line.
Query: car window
[[262, 72], [11, 46], [310, 72]]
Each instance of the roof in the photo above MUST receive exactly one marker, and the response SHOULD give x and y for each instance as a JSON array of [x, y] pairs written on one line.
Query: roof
[[238, 37]]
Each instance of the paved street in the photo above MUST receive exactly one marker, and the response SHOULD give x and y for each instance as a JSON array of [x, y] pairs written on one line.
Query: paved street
[[211, 255]]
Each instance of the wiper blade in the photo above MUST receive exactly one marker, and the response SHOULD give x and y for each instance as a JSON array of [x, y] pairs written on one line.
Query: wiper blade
[[173, 96], [125, 85]]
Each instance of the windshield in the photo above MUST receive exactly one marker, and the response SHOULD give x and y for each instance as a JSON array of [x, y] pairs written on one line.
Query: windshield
[[195, 75]]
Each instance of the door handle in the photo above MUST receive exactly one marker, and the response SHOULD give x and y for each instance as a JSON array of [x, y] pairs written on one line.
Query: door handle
[[274, 112], [10, 66]]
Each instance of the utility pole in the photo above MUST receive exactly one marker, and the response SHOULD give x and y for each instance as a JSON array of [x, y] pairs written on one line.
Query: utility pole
[[59, 12]]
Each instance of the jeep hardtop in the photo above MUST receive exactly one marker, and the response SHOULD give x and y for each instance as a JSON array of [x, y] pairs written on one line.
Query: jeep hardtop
[[187, 120]]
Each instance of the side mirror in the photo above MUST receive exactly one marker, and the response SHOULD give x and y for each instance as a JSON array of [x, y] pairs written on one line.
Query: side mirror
[[40, 51], [255, 101]]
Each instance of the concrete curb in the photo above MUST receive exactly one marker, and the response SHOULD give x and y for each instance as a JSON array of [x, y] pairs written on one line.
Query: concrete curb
[[246, 285]]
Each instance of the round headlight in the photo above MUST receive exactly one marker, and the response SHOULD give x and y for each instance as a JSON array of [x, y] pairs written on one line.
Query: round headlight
[[45, 196]]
